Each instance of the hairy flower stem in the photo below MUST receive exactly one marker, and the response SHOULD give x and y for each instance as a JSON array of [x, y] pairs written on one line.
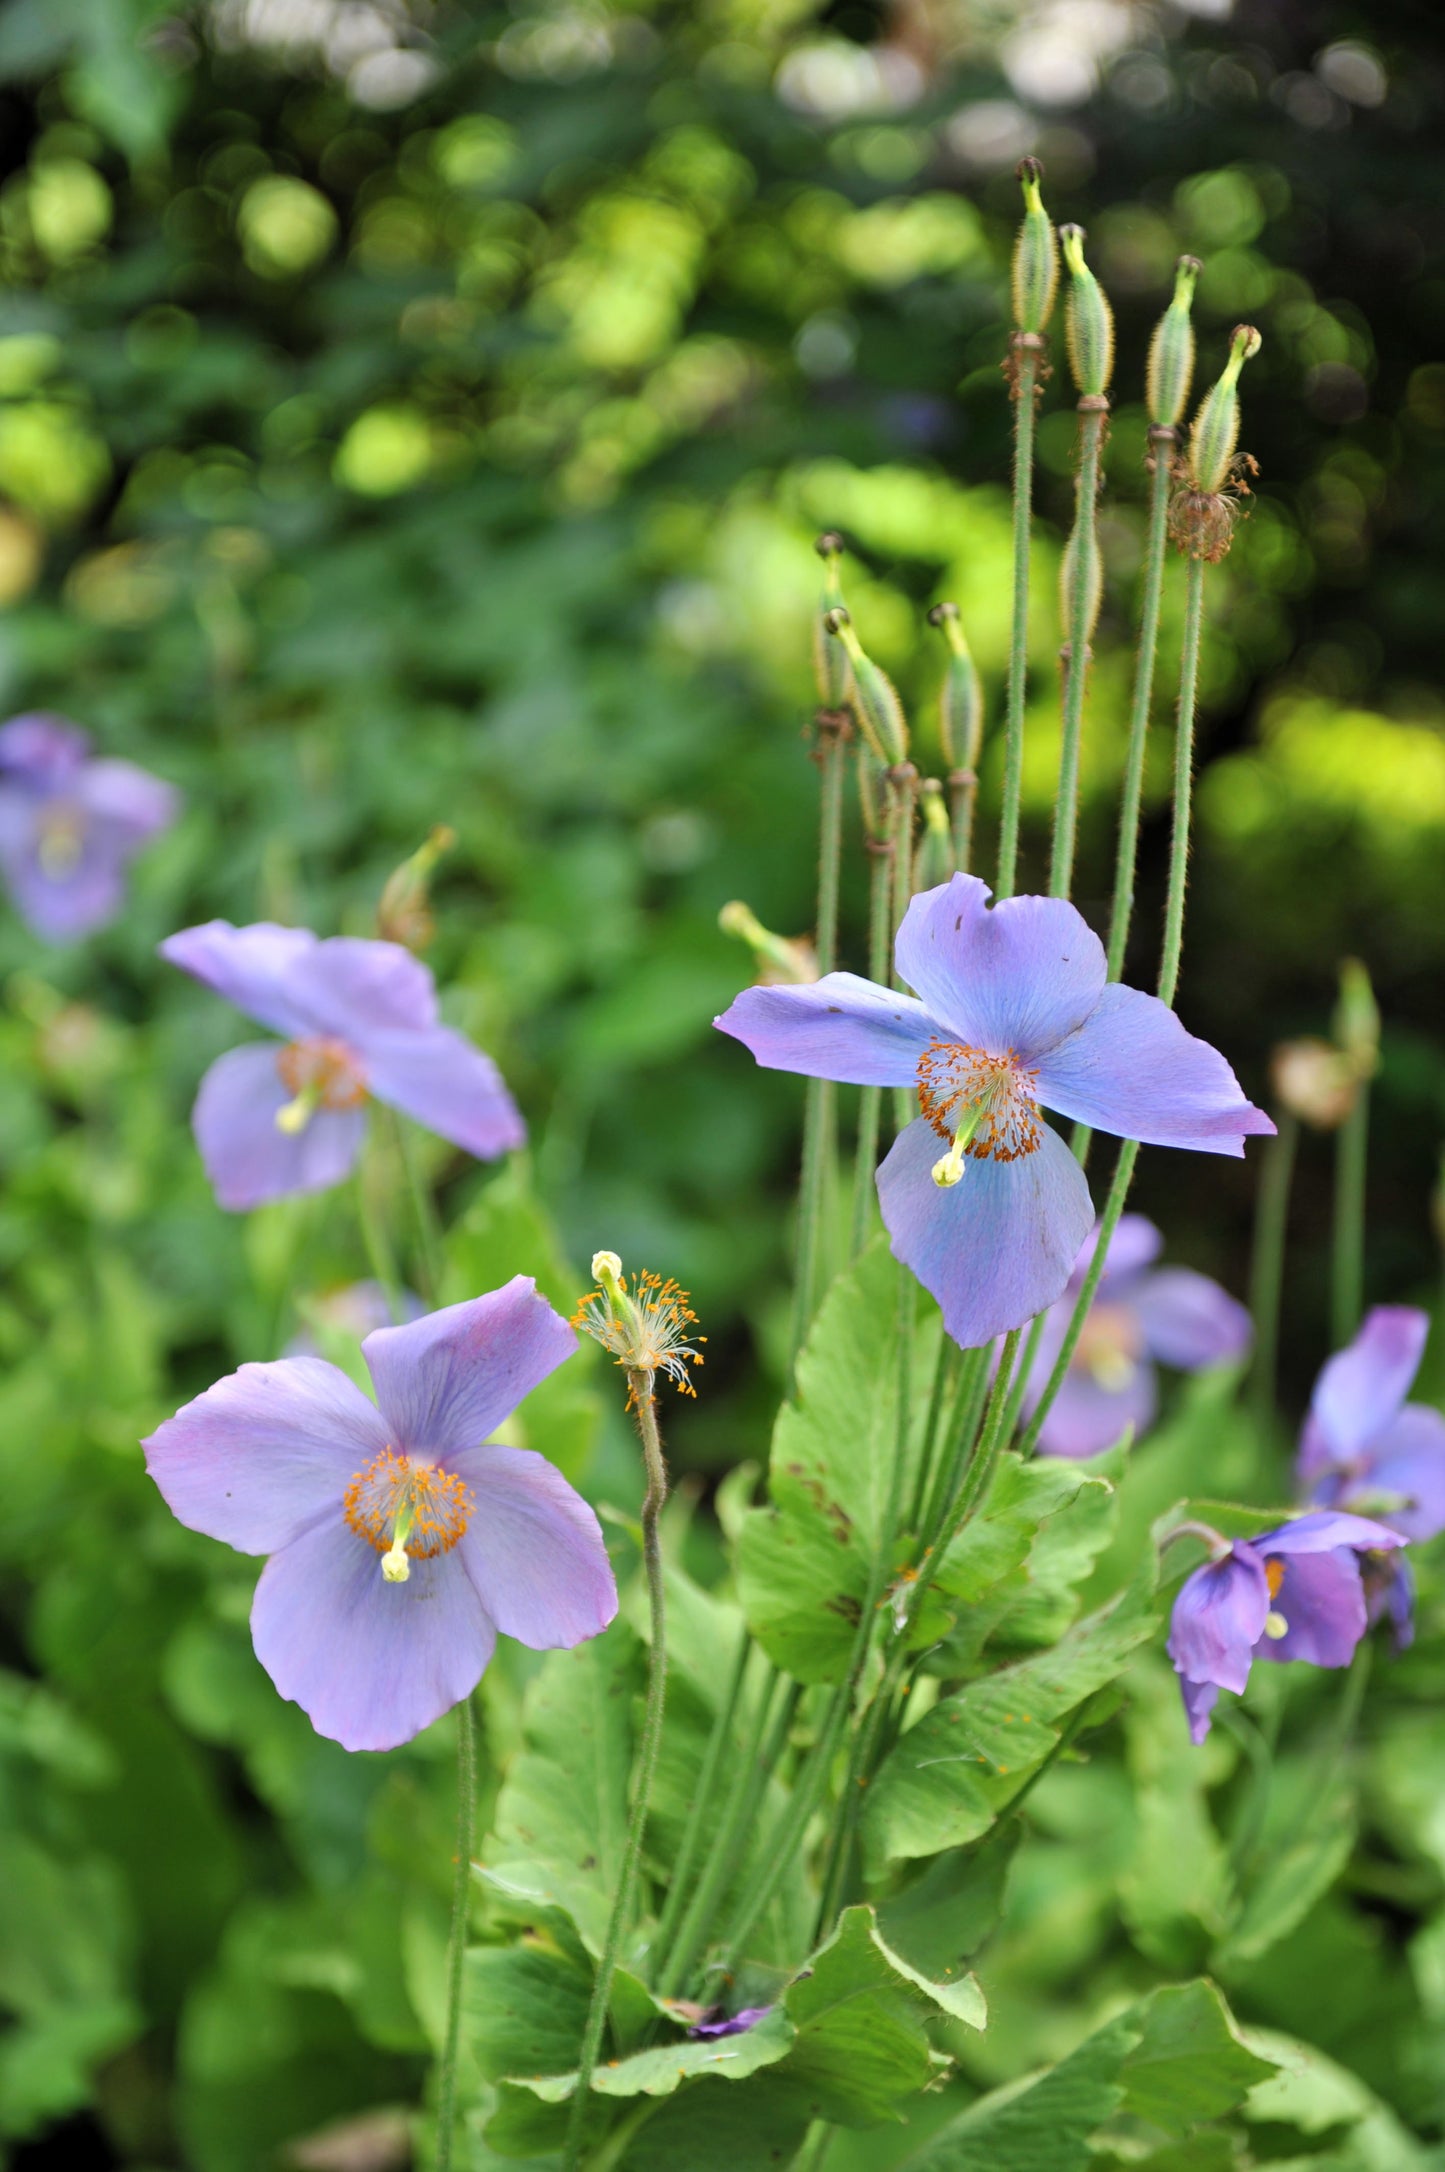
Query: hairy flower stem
[[1183, 783], [1108, 1223], [759, 1890], [704, 1794], [972, 1391], [428, 1228], [944, 1379], [457, 1944], [1023, 492], [1131, 796], [870, 1098], [380, 1256], [1347, 1256], [640, 1386], [1083, 591], [1266, 1273], [820, 1108]]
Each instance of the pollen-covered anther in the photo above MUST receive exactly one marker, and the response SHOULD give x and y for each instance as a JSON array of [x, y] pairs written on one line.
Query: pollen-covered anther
[[954, 1081], [322, 1071], [1275, 1625], [648, 1329], [407, 1511]]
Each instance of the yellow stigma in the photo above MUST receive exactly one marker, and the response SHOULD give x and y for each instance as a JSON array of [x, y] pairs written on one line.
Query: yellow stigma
[[1275, 1626], [948, 1170], [395, 1566], [295, 1115]]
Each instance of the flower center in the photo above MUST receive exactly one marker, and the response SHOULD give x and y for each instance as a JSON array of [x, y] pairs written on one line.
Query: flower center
[[1275, 1625], [322, 1073], [61, 839], [984, 1104], [407, 1511], [1109, 1347]]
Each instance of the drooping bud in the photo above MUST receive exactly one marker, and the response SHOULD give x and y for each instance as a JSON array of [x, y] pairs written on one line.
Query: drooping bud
[[830, 659], [781, 962], [404, 914], [1214, 438], [873, 695], [1036, 255], [1357, 1019], [1088, 320], [960, 698], [1171, 351]]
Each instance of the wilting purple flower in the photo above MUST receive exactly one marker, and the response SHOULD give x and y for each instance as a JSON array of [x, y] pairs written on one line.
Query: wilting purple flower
[[734, 2025], [1292, 1593], [1014, 1013], [402, 1541], [70, 825], [357, 1018], [1140, 1315]]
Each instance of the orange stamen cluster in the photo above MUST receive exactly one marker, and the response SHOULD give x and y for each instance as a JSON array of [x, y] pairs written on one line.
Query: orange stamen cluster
[[432, 1507], [649, 1334], [952, 1079], [325, 1069], [1274, 1573]]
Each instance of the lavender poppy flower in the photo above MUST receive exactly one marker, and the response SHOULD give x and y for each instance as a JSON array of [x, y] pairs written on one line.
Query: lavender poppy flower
[[1014, 1013], [70, 825], [1140, 1315], [401, 1540], [1292, 1593], [358, 1018]]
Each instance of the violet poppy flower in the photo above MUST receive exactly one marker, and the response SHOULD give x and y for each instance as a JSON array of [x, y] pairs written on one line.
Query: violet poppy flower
[[1014, 1013], [70, 825], [1141, 1315], [1292, 1593], [402, 1541], [357, 1019]]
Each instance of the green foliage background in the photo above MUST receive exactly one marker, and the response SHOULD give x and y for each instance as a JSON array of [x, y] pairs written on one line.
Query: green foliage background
[[447, 444]]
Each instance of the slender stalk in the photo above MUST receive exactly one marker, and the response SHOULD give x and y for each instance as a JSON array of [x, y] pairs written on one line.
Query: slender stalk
[[807, 1793], [904, 780], [1266, 1273], [724, 1868], [973, 1389], [1023, 491], [1108, 1223], [457, 1944], [640, 1386], [717, 1744], [1131, 797], [378, 1244], [981, 1464], [819, 1120], [1083, 591], [423, 1206], [943, 1373], [870, 1099], [816, 2145], [962, 801], [1347, 1260], [1021, 1377], [1183, 782]]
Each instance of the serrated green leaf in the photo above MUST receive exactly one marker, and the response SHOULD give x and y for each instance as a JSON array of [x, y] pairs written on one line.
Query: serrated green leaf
[[1190, 2064], [862, 2049], [1044, 2123], [1175, 1885], [941, 1919]]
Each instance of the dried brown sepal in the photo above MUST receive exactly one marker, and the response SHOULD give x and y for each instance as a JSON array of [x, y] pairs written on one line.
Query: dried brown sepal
[[1202, 522], [1019, 345]]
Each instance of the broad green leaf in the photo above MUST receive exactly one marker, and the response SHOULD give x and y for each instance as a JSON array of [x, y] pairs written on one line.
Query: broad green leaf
[[1175, 1885], [660, 2070], [524, 2008], [1191, 2064], [716, 2126], [1022, 1499], [1042, 2124], [1294, 1878], [862, 2049], [941, 1919], [1316, 2095]]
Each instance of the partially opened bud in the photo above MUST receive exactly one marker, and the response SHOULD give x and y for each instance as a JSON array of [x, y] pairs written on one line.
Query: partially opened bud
[[830, 659], [404, 914], [1314, 1081], [1171, 351], [1214, 439], [1088, 320], [781, 961], [1036, 255], [1357, 1019], [873, 695], [960, 698]]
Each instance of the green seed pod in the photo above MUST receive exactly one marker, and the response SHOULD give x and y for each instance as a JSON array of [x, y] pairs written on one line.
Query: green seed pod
[[1036, 255], [873, 695], [872, 794], [933, 861], [1082, 532], [830, 658], [1357, 1019], [1088, 320], [1171, 351], [1215, 435], [960, 698]]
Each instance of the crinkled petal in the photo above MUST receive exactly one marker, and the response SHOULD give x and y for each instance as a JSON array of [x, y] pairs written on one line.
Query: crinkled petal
[[1086, 1418], [249, 1160], [1322, 1600], [265, 1452], [357, 989], [1409, 1460], [440, 1080], [1135, 1245], [255, 968], [127, 804], [1321, 1530], [1132, 1069], [1021, 976], [446, 1382], [370, 1663], [1218, 1618], [1361, 1388], [1188, 1320], [42, 747], [840, 1027], [1200, 1698], [996, 1247], [534, 1549]]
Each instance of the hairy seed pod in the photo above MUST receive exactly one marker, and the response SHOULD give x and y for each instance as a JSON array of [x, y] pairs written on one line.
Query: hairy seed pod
[[1036, 255], [830, 658], [873, 695], [934, 858], [1171, 351], [872, 794], [1081, 536], [960, 698], [1088, 320], [1215, 436]]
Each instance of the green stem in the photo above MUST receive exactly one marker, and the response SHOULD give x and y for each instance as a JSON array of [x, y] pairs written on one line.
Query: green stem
[[640, 1385], [972, 1392], [806, 1795], [925, 1476], [980, 1467], [702, 1800], [378, 1245], [1084, 545], [1347, 1263], [1131, 797], [870, 1099], [1108, 1223], [745, 1913], [1266, 1274], [819, 1108], [423, 1206], [1183, 782], [457, 1944], [1021, 1376], [816, 2145], [1023, 491], [904, 780]]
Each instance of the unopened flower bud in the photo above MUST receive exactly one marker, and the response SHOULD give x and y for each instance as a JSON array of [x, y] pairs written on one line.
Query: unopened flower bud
[[872, 793], [1088, 320], [935, 851], [1171, 351], [1314, 1081], [781, 961], [960, 698], [873, 695], [1082, 541], [1036, 255], [1357, 1019], [1215, 435], [830, 658], [404, 914]]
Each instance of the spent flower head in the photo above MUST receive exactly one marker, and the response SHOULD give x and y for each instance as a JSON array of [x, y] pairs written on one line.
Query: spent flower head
[[648, 1328], [1213, 474], [404, 913]]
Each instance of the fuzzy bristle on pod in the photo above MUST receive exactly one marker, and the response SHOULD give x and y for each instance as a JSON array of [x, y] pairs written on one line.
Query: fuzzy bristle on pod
[[1036, 255], [1088, 320], [872, 693], [1170, 371], [830, 658]]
